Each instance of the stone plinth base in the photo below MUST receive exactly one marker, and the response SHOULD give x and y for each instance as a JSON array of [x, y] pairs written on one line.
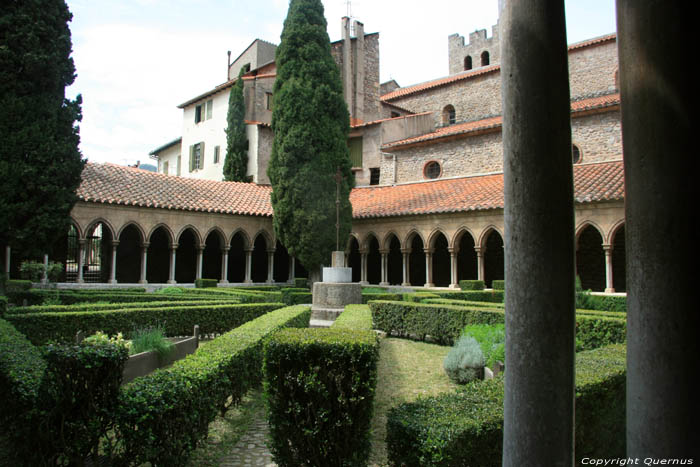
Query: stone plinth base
[[337, 275], [336, 295]]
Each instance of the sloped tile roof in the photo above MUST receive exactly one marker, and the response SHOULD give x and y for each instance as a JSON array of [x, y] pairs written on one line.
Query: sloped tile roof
[[592, 182], [115, 184]]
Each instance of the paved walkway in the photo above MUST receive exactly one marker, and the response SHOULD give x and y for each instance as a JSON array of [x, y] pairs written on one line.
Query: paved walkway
[[251, 449]]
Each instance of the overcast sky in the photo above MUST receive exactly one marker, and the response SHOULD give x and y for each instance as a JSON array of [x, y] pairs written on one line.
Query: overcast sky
[[137, 60]]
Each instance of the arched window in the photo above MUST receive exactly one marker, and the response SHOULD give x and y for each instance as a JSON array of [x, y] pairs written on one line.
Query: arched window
[[432, 170], [468, 62], [449, 116], [575, 153], [484, 58]]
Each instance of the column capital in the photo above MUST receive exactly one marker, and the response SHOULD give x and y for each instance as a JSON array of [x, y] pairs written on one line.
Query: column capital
[[452, 250], [145, 244], [363, 251], [406, 251], [200, 247], [226, 249], [384, 251], [174, 246], [271, 251], [248, 250], [82, 241], [478, 250], [607, 247], [428, 251], [115, 243]]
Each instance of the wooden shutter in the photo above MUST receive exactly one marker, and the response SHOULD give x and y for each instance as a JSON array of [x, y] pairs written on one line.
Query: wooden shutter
[[191, 158], [201, 155]]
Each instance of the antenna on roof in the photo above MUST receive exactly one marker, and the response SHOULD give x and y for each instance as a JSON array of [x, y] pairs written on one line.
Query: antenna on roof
[[348, 7]]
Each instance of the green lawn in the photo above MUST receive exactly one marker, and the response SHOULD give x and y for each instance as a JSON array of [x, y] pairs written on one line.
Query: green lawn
[[407, 370]]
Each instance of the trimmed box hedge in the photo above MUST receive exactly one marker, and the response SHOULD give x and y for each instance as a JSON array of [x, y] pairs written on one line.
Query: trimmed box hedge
[[466, 427], [472, 285], [3, 305], [492, 296], [79, 307], [163, 416], [41, 328], [444, 323], [367, 296], [246, 296], [319, 388], [358, 317], [70, 297], [295, 295], [498, 284], [205, 283]]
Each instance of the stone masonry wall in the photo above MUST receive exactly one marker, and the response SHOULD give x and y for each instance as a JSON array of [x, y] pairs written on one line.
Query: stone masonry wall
[[592, 70], [478, 43], [599, 136]]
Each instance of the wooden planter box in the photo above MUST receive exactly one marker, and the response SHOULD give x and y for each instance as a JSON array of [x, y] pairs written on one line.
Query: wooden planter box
[[144, 363]]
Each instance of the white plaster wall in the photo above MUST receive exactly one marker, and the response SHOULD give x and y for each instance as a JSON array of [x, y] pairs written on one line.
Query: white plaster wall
[[170, 156], [211, 132]]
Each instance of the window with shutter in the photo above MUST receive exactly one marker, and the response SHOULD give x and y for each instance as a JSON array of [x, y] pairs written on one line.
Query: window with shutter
[[191, 158], [210, 108], [200, 160], [355, 145]]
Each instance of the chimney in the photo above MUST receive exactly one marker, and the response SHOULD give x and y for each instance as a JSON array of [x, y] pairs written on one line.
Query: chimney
[[228, 66]]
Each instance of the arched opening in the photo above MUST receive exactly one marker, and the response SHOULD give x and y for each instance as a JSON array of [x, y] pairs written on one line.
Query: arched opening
[[69, 257], [590, 259], [186, 257], [618, 261], [128, 255], [97, 253], [468, 62], [259, 259], [449, 115], [441, 261], [211, 260], [485, 58], [466, 259], [280, 272], [394, 262], [416, 261], [374, 261], [355, 260], [158, 264], [236, 258], [493, 258]]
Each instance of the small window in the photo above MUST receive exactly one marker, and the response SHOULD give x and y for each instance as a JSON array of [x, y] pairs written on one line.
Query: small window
[[374, 176], [395, 114], [355, 145], [268, 100], [179, 164], [449, 115], [575, 153], [246, 68], [484, 58], [468, 62], [432, 170], [196, 156], [165, 167], [210, 108], [217, 151], [198, 114]]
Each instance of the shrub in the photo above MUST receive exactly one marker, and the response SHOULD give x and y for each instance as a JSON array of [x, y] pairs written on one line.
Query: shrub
[[466, 427], [333, 371], [3, 305], [418, 296], [161, 417], [295, 295], [205, 283], [493, 296], [54, 271], [170, 290], [465, 362], [358, 317], [96, 306], [367, 296], [491, 338], [32, 271], [301, 282], [472, 285], [151, 338], [498, 284]]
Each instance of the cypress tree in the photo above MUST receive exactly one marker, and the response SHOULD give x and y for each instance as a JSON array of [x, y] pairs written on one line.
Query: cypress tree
[[310, 123], [236, 162], [40, 164]]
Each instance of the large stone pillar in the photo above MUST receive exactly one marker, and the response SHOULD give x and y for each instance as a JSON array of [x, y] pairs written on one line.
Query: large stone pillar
[[200, 260], [81, 260], [363, 267], [453, 267], [291, 269], [113, 265], [270, 266], [144, 262], [405, 253], [45, 275], [8, 252], [608, 269], [479, 263], [248, 265], [660, 226], [173, 263], [428, 267], [538, 425], [385, 266], [224, 265]]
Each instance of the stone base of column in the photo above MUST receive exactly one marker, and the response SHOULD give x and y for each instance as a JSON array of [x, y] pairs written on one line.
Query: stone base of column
[[609, 290], [454, 286], [170, 281], [223, 282], [364, 283], [248, 281], [80, 281], [112, 281], [143, 282], [428, 284], [406, 284], [384, 284]]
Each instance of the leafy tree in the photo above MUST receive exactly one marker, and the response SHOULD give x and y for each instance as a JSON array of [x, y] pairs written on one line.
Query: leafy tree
[[236, 163], [311, 123], [40, 164]]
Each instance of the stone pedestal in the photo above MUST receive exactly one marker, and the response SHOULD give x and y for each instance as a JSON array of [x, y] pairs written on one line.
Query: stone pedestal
[[336, 291]]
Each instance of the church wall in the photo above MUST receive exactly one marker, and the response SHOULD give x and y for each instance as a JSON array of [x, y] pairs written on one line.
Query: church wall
[[599, 136], [592, 70]]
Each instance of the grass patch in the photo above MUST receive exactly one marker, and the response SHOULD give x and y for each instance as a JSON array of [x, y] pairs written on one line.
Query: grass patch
[[407, 370], [151, 338]]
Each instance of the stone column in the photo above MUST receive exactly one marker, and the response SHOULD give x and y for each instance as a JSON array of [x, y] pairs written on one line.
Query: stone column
[[8, 252], [406, 252], [385, 267], [538, 424], [248, 265], [113, 266], [453, 268], [428, 267], [291, 269], [479, 263], [173, 263], [660, 191], [224, 265], [608, 269], [45, 275], [270, 266], [144, 262], [81, 260], [363, 267], [200, 260]]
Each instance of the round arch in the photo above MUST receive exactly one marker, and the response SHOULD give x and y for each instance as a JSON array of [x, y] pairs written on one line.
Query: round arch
[[93, 223], [494, 259], [583, 225], [374, 259], [243, 235], [158, 263], [467, 262], [392, 245], [354, 258], [590, 257], [165, 228], [193, 230]]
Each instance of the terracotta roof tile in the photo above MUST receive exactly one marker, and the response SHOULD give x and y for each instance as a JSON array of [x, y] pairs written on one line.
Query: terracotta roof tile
[[114, 184], [592, 182]]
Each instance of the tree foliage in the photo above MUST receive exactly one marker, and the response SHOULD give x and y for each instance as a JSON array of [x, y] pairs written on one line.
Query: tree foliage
[[40, 164], [236, 162], [311, 123]]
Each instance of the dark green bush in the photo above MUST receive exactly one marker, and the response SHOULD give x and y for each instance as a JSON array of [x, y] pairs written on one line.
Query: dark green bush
[[494, 296], [472, 285], [444, 323], [163, 416], [301, 282], [70, 296], [3, 305], [367, 296], [418, 297], [319, 388], [498, 284], [466, 427], [178, 321], [295, 295], [31, 271], [244, 294], [358, 317], [205, 283], [120, 306]]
